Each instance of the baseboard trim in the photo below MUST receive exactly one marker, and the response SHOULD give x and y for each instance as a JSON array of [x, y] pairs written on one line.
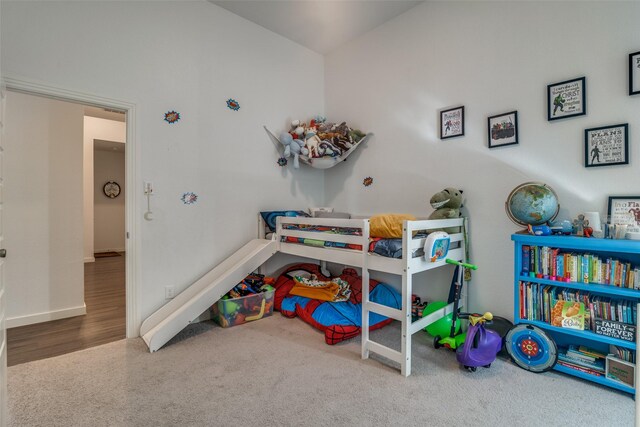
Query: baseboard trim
[[30, 319], [89, 259]]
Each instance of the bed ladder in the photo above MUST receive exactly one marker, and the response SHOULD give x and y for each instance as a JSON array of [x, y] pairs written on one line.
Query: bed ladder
[[403, 357]]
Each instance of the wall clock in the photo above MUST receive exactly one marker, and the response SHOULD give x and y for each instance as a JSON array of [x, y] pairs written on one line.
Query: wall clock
[[111, 189]]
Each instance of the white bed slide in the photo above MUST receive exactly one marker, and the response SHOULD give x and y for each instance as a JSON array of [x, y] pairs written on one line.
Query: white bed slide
[[175, 315]]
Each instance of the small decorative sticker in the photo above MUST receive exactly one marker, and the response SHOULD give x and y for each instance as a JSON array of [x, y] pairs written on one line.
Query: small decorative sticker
[[282, 161], [367, 181], [189, 198], [171, 117], [233, 104]]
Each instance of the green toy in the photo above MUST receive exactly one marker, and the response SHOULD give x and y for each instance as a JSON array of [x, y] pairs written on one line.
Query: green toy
[[442, 326], [447, 204], [446, 330]]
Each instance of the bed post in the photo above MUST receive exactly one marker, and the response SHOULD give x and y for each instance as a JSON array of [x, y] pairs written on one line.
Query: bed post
[[463, 245], [405, 342], [261, 235], [365, 289]]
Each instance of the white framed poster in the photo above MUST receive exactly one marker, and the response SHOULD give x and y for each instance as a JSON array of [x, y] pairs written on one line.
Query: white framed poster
[[606, 145], [452, 123], [566, 99]]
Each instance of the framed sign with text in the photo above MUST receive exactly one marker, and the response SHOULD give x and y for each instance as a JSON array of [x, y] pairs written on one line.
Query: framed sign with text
[[566, 99], [606, 145]]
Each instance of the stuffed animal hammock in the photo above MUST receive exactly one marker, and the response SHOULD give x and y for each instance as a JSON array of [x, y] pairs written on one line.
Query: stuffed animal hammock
[[316, 150]]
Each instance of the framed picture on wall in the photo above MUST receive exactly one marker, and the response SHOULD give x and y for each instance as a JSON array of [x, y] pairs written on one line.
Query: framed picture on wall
[[566, 99], [624, 210], [503, 129], [452, 123], [606, 145], [634, 73]]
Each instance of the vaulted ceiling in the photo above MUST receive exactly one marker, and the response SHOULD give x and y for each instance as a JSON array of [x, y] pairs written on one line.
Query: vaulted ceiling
[[320, 25]]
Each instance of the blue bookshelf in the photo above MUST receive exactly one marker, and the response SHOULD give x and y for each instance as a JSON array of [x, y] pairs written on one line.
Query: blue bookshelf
[[624, 250]]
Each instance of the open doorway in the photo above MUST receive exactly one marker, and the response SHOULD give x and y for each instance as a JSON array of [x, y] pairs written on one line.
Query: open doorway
[[61, 297]]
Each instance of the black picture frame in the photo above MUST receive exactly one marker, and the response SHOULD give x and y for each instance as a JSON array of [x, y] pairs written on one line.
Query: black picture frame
[[634, 73], [502, 129], [567, 99], [624, 210], [452, 122], [606, 146]]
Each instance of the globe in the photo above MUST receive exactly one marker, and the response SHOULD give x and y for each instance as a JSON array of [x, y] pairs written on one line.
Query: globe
[[532, 203]]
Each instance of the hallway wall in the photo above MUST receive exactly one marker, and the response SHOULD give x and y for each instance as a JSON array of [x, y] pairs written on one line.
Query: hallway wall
[[43, 209]]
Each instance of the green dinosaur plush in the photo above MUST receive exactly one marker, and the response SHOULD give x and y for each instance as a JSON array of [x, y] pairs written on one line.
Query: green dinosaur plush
[[447, 204]]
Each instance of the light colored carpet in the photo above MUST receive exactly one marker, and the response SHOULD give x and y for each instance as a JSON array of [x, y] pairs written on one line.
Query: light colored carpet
[[279, 371]]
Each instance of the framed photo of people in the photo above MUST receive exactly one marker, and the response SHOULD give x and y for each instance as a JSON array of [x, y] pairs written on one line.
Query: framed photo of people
[[606, 145], [452, 123], [566, 99]]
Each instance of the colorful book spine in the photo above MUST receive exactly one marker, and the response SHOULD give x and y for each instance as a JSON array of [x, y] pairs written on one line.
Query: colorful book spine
[[580, 368], [526, 260], [560, 266], [586, 262]]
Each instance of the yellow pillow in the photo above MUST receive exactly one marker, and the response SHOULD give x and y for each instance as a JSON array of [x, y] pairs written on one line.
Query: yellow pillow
[[388, 226]]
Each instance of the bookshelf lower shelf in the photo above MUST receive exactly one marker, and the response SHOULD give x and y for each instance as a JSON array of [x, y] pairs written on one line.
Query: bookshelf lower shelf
[[587, 335], [594, 378]]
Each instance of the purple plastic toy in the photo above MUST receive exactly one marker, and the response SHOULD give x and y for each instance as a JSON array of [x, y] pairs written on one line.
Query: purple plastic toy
[[481, 345]]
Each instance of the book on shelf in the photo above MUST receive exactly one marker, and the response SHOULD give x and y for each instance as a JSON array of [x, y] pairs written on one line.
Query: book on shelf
[[584, 353], [568, 314], [595, 365], [622, 353], [581, 368], [526, 260]]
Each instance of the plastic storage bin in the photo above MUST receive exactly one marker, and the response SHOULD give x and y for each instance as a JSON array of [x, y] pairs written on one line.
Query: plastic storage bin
[[236, 311]]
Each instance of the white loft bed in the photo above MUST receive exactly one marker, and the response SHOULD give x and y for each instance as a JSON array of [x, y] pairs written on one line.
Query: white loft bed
[[405, 267]]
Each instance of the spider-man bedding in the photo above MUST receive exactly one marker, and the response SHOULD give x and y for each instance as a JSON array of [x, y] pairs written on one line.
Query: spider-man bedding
[[338, 320]]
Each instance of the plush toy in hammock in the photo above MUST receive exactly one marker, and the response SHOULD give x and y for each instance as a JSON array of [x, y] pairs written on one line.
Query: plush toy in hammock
[[338, 320]]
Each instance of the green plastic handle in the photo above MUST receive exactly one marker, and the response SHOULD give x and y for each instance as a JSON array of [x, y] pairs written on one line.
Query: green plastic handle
[[463, 264]]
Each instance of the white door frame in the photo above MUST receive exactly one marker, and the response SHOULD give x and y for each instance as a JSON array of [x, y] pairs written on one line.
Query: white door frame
[[132, 180]]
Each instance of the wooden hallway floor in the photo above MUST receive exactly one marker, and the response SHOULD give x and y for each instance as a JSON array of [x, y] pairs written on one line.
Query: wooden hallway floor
[[105, 321]]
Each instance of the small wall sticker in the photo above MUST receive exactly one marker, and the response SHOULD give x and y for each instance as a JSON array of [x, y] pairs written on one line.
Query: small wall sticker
[[367, 181], [233, 104], [171, 117], [282, 161], [189, 198]]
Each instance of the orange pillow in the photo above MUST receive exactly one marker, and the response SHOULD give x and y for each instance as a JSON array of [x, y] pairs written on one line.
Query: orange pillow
[[388, 226]]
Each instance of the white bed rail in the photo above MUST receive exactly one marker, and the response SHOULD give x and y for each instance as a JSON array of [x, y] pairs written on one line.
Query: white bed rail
[[313, 248], [413, 239]]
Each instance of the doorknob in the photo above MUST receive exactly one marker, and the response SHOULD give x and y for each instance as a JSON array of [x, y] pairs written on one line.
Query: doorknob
[[3, 253]]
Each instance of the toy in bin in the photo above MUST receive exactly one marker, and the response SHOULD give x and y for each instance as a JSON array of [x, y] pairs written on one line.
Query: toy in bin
[[249, 300], [436, 247]]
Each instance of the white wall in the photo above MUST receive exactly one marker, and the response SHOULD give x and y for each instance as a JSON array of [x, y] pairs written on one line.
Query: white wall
[[109, 214], [105, 130], [43, 209], [491, 57], [189, 57]]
